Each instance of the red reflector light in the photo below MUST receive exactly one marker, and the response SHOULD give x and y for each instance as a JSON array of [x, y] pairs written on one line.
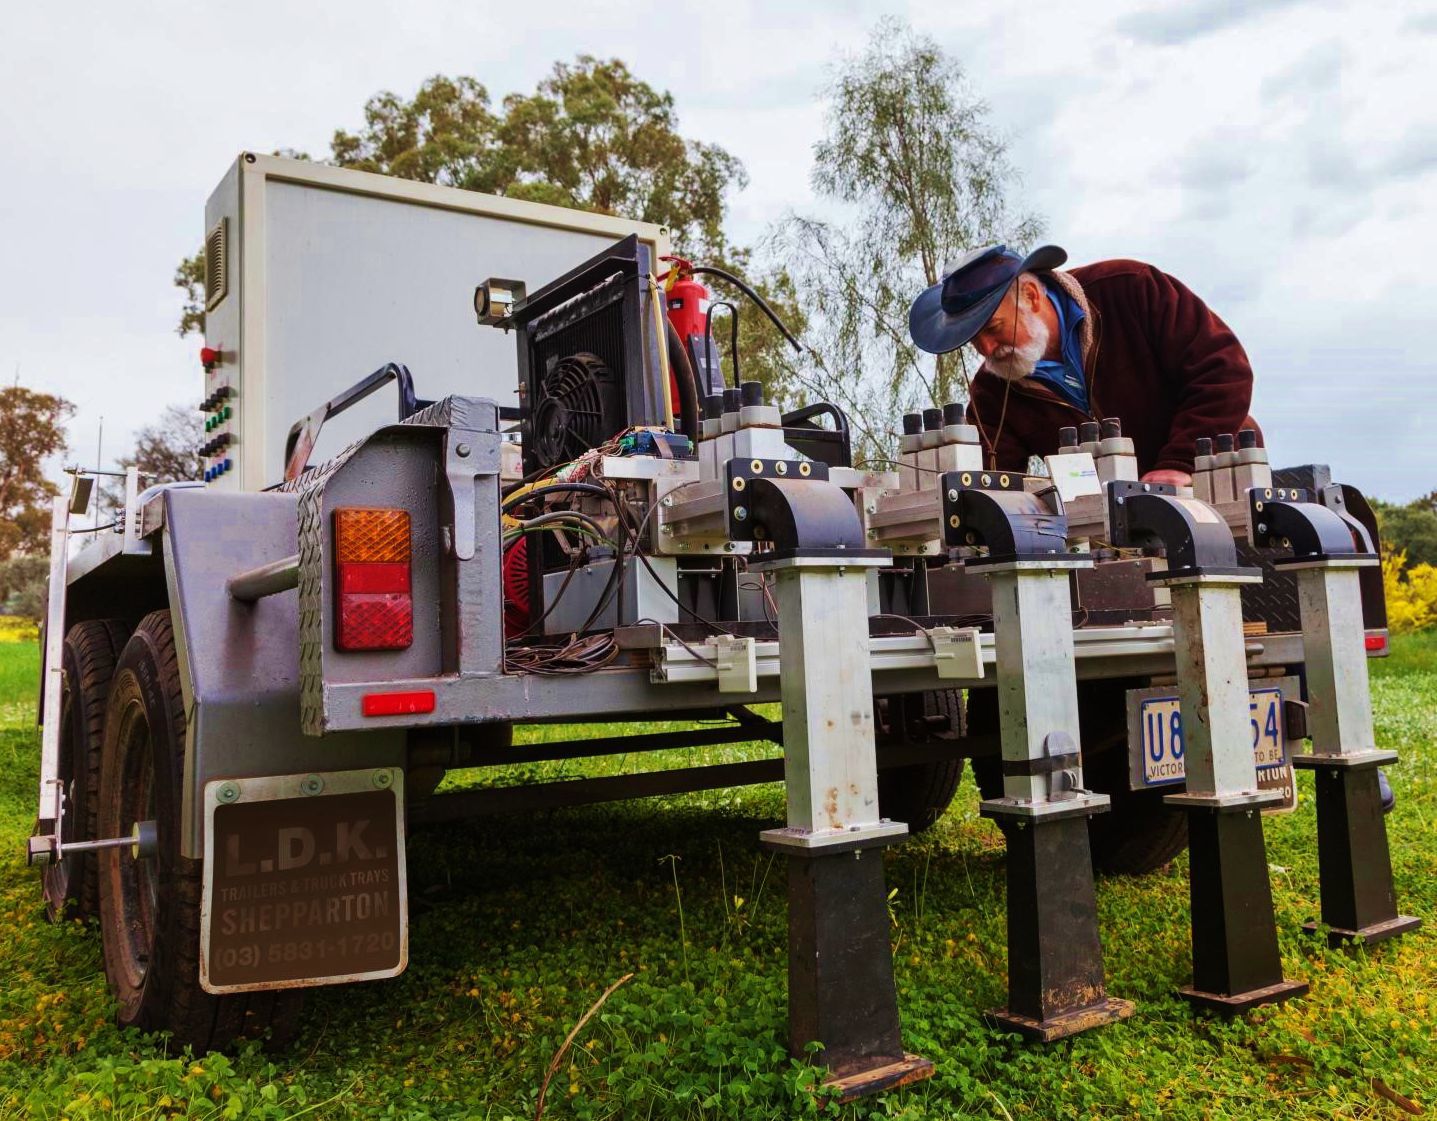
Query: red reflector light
[[373, 578], [397, 704], [374, 622], [1375, 643]]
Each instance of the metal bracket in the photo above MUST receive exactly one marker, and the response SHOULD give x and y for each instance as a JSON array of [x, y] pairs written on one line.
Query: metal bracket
[[740, 475], [956, 654], [1194, 536], [1284, 518], [994, 510], [1294, 719], [1060, 761], [736, 659], [467, 456]]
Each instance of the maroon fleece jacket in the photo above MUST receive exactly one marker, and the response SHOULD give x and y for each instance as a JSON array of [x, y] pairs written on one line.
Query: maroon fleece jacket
[[1161, 361]]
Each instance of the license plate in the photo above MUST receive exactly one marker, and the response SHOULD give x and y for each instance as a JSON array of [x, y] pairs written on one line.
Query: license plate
[[303, 880], [1157, 746]]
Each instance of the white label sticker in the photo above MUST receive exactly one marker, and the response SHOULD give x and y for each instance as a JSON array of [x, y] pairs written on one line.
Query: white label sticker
[[1075, 475]]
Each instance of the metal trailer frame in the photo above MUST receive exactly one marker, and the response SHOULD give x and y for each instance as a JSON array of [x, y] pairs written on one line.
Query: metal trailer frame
[[242, 661]]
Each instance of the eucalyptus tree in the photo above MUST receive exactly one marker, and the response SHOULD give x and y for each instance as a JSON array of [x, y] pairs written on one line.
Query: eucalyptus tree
[[914, 174]]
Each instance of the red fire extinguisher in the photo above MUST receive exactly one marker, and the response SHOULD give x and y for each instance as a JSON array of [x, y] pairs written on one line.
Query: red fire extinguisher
[[688, 304], [688, 299]]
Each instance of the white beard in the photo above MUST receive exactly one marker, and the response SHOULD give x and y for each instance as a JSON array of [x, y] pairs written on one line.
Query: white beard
[[1014, 363]]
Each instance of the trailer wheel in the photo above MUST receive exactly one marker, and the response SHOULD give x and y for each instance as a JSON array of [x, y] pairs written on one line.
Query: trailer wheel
[[150, 908], [90, 651], [1139, 834], [920, 793]]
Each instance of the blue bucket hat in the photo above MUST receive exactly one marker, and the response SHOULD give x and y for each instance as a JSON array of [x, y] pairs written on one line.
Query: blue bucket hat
[[955, 309]]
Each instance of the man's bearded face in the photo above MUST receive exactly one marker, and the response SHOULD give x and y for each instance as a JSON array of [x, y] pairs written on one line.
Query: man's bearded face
[[1018, 355]]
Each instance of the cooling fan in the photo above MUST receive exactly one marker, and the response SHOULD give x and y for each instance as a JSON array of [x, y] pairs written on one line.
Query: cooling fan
[[570, 416]]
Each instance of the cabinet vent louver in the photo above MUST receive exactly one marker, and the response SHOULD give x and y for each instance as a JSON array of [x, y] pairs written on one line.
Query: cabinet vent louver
[[216, 264]]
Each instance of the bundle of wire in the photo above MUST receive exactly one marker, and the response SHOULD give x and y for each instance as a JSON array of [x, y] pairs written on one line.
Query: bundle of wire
[[581, 652]]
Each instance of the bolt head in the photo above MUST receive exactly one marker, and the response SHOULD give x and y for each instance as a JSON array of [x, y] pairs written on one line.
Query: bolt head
[[384, 779], [462, 451], [311, 784], [227, 793], [740, 513], [953, 494]]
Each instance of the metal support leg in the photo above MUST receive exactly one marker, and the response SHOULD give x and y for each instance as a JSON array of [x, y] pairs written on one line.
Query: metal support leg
[[1354, 865], [1236, 963], [44, 844], [1055, 957], [840, 967]]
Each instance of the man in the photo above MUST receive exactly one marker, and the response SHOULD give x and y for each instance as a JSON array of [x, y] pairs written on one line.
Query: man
[[1114, 339]]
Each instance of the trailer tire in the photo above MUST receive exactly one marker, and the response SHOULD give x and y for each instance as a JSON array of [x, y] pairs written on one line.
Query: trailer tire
[[1139, 833], [90, 650], [919, 794], [150, 909]]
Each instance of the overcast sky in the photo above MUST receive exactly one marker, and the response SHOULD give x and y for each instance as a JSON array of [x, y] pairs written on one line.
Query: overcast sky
[[1278, 156]]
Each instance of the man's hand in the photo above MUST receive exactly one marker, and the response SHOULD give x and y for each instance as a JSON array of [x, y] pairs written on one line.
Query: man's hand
[[1172, 478]]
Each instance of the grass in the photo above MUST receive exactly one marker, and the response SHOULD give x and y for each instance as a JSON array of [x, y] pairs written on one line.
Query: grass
[[519, 924]]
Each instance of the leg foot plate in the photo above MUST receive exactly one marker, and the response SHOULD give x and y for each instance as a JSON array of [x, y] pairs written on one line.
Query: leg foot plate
[[1370, 935], [888, 1076], [1106, 1011], [1241, 1002]]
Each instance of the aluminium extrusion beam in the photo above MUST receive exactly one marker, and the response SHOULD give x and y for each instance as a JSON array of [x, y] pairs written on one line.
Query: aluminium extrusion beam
[[1236, 963], [1359, 899], [1055, 955]]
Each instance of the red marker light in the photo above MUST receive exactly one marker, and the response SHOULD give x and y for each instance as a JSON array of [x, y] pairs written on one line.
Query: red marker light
[[209, 357], [1375, 643], [397, 704]]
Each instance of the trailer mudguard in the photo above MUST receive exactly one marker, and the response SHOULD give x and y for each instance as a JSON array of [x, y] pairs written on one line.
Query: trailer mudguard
[[239, 662]]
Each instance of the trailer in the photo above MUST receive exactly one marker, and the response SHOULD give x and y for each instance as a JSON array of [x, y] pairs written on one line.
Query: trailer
[[254, 686]]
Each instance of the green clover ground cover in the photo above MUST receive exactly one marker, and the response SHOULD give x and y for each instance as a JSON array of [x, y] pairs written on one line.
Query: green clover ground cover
[[520, 923]]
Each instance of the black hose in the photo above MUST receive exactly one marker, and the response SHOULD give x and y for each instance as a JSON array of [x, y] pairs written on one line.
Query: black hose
[[554, 488], [732, 334], [688, 385], [743, 287]]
